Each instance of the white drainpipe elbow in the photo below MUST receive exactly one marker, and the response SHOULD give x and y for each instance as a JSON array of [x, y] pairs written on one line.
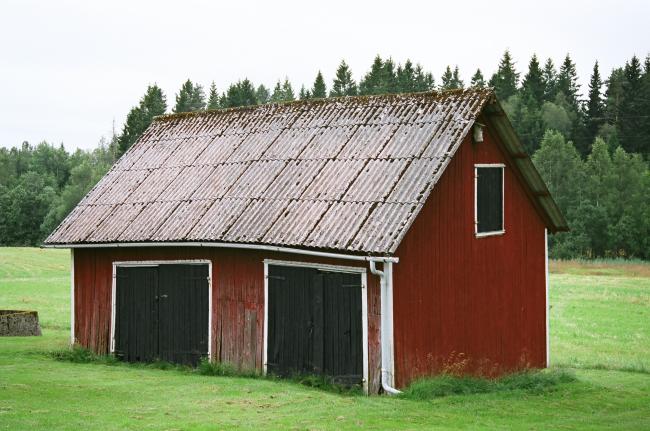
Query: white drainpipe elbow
[[386, 287]]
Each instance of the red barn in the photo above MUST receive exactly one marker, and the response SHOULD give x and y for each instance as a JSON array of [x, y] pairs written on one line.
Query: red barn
[[372, 239]]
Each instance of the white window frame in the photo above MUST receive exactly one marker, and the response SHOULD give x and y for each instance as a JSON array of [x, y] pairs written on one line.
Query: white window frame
[[145, 263], [330, 268], [503, 199]]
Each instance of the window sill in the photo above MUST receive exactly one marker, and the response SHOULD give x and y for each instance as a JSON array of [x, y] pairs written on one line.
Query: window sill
[[493, 233]]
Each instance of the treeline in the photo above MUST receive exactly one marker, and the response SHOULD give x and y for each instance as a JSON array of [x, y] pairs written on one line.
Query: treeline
[[592, 149]]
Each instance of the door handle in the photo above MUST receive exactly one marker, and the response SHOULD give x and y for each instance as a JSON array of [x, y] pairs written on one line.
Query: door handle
[[163, 296]]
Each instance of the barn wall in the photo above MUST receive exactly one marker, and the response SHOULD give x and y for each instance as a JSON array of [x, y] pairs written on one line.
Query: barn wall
[[237, 295], [467, 303]]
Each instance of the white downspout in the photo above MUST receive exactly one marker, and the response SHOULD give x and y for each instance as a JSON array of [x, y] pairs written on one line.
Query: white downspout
[[386, 299]]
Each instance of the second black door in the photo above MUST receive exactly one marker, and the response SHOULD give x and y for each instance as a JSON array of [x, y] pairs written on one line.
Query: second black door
[[161, 313], [315, 324]]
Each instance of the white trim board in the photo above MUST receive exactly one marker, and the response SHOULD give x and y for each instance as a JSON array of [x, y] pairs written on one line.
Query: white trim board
[[72, 302], [153, 263], [333, 268]]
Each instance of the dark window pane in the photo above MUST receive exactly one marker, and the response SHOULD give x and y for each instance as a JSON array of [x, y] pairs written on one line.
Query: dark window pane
[[489, 199]]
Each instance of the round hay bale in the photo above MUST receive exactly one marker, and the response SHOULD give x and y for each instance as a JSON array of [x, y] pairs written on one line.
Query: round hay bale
[[18, 323]]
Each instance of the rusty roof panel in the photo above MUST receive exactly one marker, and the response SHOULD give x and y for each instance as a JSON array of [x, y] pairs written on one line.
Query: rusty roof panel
[[217, 219], [348, 173]]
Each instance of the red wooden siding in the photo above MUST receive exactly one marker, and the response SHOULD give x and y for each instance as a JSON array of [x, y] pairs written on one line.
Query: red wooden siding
[[237, 296], [466, 302]]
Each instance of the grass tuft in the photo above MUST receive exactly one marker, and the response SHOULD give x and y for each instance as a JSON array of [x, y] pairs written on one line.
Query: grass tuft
[[327, 384], [81, 355], [534, 382], [208, 368]]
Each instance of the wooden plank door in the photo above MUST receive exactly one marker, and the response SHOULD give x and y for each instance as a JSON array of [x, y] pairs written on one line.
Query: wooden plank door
[[136, 313], [183, 313], [315, 324]]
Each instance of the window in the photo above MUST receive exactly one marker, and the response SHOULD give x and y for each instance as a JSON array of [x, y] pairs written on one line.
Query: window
[[488, 210]]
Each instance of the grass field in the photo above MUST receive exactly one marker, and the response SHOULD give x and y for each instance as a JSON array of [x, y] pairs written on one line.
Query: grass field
[[600, 331]]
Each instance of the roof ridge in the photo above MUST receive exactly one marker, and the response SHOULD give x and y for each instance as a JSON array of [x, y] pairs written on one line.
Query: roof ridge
[[436, 94]]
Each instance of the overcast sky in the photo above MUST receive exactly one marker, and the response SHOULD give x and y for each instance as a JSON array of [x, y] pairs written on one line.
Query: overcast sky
[[68, 69]]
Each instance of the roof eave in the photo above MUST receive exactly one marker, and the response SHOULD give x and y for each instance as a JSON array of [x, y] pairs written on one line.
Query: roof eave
[[555, 220]]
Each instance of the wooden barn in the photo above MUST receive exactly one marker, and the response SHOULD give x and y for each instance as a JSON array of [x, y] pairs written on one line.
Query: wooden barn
[[372, 239]]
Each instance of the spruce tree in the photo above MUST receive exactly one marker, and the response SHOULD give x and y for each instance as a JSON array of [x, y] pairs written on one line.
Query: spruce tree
[[287, 90], [197, 101], [213, 97], [240, 94], [567, 82], [372, 81], [595, 106], [456, 81], [278, 93], [532, 86], [262, 94], [631, 116], [549, 77], [343, 84], [423, 80], [478, 80], [319, 90], [447, 79], [406, 79], [304, 94], [152, 104], [184, 97], [505, 80]]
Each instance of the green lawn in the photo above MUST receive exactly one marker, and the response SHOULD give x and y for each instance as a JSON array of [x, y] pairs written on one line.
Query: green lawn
[[600, 329]]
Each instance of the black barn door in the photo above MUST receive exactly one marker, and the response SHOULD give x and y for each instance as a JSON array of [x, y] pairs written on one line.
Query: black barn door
[[161, 312], [315, 324]]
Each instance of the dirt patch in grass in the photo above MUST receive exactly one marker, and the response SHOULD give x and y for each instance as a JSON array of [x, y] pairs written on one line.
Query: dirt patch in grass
[[616, 268]]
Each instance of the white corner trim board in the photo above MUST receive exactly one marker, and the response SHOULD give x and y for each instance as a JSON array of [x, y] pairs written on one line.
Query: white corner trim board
[[547, 308], [72, 335]]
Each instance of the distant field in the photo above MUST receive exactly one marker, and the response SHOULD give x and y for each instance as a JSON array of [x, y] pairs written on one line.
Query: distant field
[[600, 330]]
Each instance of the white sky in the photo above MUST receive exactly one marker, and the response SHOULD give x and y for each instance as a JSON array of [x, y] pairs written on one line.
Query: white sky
[[69, 68]]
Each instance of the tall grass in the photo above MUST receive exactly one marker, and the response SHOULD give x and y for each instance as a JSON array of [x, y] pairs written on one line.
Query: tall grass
[[533, 382]]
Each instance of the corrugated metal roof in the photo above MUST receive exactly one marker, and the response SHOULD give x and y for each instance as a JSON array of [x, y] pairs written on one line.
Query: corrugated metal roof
[[345, 174]]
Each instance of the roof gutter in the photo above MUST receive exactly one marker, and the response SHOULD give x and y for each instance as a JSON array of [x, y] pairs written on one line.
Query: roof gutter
[[387, 353], [278, 249]]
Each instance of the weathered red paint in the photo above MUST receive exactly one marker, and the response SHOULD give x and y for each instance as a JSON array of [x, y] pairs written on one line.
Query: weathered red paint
[[469, 304], [460, 302], [237, 295]]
